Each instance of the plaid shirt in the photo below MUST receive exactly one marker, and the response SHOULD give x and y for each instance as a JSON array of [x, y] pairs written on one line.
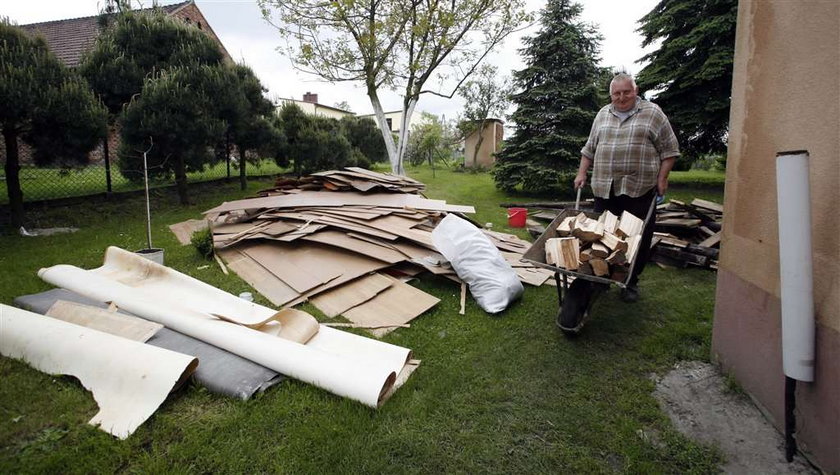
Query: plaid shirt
[[626, 154]]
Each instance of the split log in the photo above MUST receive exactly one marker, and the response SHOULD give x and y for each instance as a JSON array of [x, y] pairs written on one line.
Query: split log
[[585, 268], [610, 222], [564, 229], [599, 251], [599, 267], [629, 225], [617, 258], [569, 250], [613, 242], [587, 230]]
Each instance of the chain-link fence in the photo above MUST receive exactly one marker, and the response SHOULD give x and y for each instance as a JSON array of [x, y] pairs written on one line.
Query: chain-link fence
[[40, 184]]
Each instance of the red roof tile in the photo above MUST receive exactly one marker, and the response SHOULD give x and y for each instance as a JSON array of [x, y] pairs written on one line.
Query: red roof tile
[[70, 39]]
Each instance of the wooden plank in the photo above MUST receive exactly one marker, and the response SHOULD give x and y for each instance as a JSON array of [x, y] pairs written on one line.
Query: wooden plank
[[463, 308], [712, 240], [530, 276], [709, 205], [679, 223], [398, 304], [336, 301]]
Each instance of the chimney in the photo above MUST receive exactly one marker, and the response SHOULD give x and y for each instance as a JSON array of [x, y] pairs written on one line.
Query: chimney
[[309, 97]]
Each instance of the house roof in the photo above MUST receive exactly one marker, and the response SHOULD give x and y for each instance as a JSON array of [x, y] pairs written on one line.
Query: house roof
[[316, 104], [70, 39]]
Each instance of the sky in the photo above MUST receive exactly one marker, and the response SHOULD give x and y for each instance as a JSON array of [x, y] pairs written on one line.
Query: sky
[[249, 39]]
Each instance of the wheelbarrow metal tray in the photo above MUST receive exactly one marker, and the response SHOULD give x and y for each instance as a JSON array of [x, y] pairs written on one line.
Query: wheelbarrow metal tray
[[536, 253]]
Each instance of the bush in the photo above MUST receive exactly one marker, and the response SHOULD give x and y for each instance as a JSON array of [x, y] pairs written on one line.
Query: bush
[[203, 242]]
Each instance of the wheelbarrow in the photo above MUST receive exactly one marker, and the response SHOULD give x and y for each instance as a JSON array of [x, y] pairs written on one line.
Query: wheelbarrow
[[576, 292]]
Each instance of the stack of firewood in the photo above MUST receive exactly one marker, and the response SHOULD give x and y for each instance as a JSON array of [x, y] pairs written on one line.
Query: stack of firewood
[[687, 234], [603, 247]]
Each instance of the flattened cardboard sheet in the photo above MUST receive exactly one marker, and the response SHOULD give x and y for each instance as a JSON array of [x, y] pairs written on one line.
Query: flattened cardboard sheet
[[340, 299], [184, 230], [398, 304]]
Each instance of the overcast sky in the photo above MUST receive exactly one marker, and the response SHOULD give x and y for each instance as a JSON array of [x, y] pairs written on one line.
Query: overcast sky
[[249, 39]]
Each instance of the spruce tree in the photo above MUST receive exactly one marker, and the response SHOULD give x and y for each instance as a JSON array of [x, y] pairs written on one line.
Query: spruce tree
[[692, 69], [557, 100]]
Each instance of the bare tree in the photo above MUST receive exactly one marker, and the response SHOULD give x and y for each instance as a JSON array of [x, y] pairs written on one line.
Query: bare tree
[[486, 96], [397, 44]]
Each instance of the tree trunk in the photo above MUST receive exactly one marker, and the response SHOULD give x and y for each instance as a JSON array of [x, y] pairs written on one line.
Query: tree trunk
[[478, 142], [243, 180], [379, 113], [13, 178], [181, 180], [402, 145]]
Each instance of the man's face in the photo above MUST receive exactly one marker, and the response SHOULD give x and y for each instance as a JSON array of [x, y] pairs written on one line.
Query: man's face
[[623, 95]]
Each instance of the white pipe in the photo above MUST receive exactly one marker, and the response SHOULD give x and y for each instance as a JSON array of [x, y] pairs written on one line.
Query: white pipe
[[795, 264]]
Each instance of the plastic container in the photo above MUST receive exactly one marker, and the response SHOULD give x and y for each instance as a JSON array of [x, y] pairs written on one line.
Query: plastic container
[[153, 254], [517, 217]]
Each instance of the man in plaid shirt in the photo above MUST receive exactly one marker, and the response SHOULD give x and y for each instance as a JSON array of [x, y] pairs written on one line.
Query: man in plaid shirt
[[632, 149]]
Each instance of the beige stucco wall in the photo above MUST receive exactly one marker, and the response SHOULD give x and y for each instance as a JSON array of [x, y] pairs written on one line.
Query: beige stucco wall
[[493, 135], [785, 96]]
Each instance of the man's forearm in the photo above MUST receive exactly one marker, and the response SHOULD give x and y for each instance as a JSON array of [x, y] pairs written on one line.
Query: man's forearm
[[585, 163], [665, 167], [662, 178]]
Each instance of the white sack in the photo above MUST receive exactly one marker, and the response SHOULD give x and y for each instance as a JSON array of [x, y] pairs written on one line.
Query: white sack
[[492, 281], [128, 379]]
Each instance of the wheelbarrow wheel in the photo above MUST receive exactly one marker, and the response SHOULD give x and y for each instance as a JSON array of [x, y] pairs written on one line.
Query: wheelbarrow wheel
[[576, 304]]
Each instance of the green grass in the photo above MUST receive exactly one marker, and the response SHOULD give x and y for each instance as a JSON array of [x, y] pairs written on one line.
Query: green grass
[[505, 393], [52, 183]]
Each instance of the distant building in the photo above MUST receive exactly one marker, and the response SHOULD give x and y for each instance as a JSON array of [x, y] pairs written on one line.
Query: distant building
[[494, 132], [70, 39], [310, 105]]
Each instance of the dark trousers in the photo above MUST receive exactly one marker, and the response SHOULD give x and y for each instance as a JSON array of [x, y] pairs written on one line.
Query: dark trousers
[[639, 207]]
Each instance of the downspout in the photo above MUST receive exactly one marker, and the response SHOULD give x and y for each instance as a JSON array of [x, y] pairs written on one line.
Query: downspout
[[797, 284]]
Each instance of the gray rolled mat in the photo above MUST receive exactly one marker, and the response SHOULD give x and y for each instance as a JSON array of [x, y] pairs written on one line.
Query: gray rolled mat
[[218, 370]]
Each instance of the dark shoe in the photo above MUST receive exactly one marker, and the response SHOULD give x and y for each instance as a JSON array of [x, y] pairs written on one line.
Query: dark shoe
[[630, 294]]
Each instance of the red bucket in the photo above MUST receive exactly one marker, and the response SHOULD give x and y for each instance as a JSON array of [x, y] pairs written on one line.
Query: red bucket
[[517, 217]]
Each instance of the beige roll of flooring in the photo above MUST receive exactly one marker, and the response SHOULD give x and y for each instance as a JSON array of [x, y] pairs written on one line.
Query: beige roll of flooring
[[129, 380], [348, 365]]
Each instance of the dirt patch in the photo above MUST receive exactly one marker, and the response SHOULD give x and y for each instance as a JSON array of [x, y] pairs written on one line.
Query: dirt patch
[[695, 397]]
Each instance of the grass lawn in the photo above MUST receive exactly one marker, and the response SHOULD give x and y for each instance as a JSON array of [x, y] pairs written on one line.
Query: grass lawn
[[503, 393]]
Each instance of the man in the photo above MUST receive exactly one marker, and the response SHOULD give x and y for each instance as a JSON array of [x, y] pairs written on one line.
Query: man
[[632, 148]]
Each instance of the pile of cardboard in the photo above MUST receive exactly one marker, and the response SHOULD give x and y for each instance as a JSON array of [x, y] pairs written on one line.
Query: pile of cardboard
[[349, 179], [346, 252], [687, 234], [602, 247]]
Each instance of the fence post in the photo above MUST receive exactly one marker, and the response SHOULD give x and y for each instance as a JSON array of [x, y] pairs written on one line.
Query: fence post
[[105, 153]]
